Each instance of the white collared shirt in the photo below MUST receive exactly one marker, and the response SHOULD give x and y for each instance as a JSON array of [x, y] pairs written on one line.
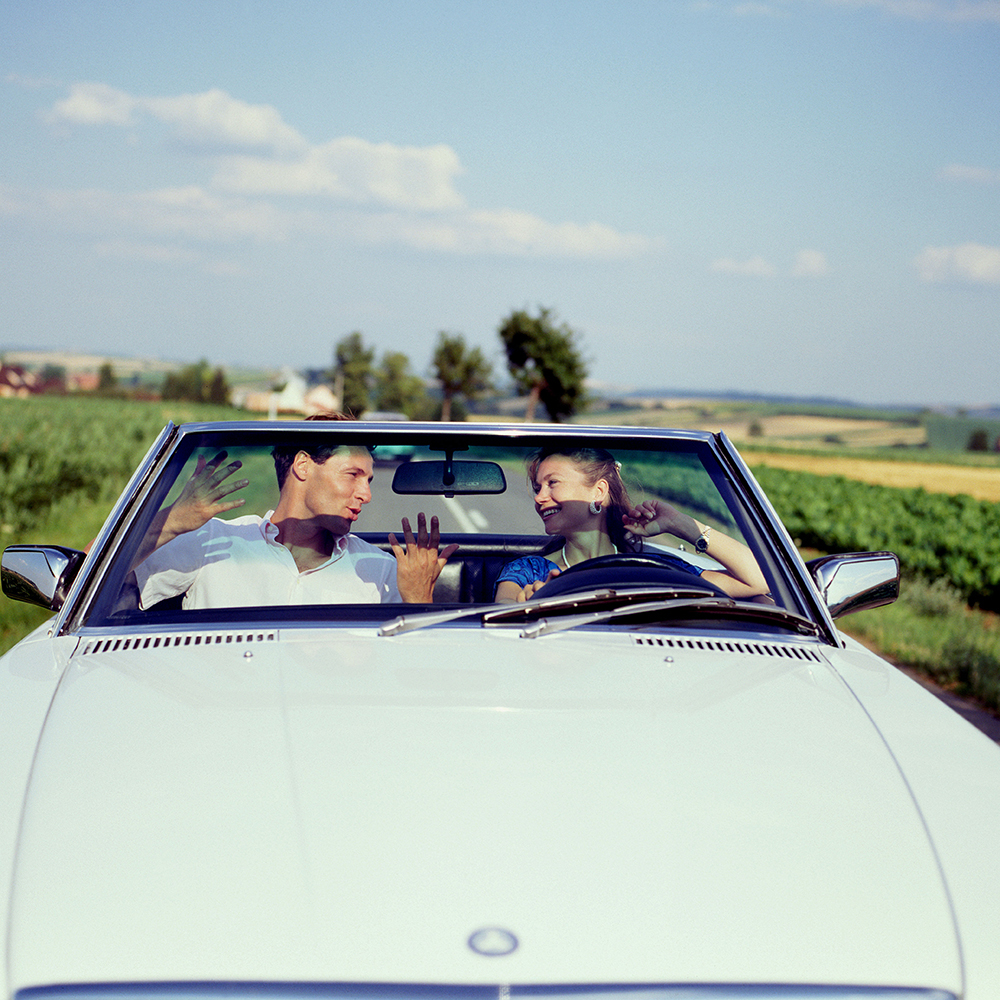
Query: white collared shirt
[[240, 563]]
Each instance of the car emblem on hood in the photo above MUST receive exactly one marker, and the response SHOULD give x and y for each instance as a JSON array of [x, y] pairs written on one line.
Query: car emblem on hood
[[493, 942]]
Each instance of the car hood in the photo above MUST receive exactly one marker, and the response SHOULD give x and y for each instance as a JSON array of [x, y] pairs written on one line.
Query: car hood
[[289, 807]]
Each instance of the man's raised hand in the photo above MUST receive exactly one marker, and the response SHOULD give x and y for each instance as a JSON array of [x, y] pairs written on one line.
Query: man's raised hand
[[419, 564], [203, 496]]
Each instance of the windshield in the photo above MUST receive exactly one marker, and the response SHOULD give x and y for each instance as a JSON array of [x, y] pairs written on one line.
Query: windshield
[[304, 517]]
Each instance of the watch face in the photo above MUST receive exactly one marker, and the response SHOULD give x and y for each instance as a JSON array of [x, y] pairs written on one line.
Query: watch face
[[702, 544]]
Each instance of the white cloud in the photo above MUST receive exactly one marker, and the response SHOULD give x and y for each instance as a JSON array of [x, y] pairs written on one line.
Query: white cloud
[[94, 104], [212, 119], [970, 175], [258, 153], [126, 224], [410, 191], [755, 267], [215, 118], [354, 170], [504, 232], [197, 214], [520, 232], [970, 262], [810, 264]]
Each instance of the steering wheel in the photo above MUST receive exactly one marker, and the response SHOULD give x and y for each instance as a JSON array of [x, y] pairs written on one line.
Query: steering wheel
[[626, 568]]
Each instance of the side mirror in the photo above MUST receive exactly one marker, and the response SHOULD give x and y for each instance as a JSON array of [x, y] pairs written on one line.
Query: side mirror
[[856, 581], [39, 574], [448, 478]]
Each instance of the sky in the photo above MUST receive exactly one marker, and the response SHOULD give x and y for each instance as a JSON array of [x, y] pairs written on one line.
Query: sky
[[794, 197]]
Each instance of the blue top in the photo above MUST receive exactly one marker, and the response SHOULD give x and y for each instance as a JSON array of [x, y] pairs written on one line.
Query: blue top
[[528, 569]]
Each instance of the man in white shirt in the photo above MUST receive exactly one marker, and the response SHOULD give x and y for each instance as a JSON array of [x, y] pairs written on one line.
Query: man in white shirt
[[302, 552]]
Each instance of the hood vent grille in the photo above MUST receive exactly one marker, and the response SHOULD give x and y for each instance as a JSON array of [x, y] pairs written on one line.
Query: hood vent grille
[[173, 640], [733, 646]]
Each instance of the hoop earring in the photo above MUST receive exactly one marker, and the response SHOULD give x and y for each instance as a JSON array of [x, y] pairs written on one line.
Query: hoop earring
[[595, 508]]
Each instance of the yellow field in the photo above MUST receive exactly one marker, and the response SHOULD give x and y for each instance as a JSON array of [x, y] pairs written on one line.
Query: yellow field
[[793, 429], [983, 484]]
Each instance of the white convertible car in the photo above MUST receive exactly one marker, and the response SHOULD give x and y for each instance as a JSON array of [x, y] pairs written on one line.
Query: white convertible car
[[639, 781]]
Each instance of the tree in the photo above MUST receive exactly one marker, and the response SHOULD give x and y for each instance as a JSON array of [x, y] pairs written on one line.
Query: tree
[[197, 383], [978, 441], [544, 362], [107, 382], [352, 373], [397, 389], [218, 388], [461, 371]]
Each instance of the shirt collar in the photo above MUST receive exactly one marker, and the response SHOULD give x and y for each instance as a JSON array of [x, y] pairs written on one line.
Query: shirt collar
[[270, 533]]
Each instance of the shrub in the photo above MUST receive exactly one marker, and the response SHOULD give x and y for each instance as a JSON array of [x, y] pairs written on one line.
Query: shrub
[[978, 441], [933, 599]]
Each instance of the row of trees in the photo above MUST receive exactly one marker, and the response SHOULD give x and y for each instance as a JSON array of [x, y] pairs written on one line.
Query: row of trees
[[197, 383], [543, 360]]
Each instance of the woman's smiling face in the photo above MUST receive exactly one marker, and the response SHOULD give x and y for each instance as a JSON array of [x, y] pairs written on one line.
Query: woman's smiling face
[[563, 496]]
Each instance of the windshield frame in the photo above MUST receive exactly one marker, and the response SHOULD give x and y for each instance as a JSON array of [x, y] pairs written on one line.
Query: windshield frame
[[88, 604]]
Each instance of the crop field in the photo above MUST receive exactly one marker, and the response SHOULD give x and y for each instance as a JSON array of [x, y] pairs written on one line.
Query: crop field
[[935, 477], [749, 423], [803, 430]]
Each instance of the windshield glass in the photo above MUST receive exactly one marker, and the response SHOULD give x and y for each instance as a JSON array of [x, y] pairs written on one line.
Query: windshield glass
[[305, 517]]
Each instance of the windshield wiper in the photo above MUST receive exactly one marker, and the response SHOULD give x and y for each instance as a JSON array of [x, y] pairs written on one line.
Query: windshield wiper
[[424, 619], [600, 595], [715, 607], [493, 614]]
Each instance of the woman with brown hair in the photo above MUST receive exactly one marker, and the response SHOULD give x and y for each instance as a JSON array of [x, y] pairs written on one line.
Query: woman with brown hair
[[582, 501]]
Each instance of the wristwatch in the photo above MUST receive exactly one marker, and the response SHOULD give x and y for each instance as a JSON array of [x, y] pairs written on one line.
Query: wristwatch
[[701, 545]]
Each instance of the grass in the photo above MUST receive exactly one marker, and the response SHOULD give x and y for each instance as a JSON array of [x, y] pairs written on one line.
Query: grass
[[931, 630], [73, 523], [75, 516]]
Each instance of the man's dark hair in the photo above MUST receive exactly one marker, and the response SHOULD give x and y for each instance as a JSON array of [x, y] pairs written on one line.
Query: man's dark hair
[[284, 454]]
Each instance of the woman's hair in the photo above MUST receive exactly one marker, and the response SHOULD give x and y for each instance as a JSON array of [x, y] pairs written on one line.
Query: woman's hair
[[597, 464]]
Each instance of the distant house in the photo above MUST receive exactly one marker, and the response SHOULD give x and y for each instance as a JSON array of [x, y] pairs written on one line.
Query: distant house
[[18, 382], [295, 397], [320, 399], [82, 382]]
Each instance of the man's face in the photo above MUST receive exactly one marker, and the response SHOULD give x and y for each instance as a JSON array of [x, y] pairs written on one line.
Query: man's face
[[337, 489]]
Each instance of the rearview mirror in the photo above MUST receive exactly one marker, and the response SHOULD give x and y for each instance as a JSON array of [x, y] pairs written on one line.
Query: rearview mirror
[[448, 478]]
